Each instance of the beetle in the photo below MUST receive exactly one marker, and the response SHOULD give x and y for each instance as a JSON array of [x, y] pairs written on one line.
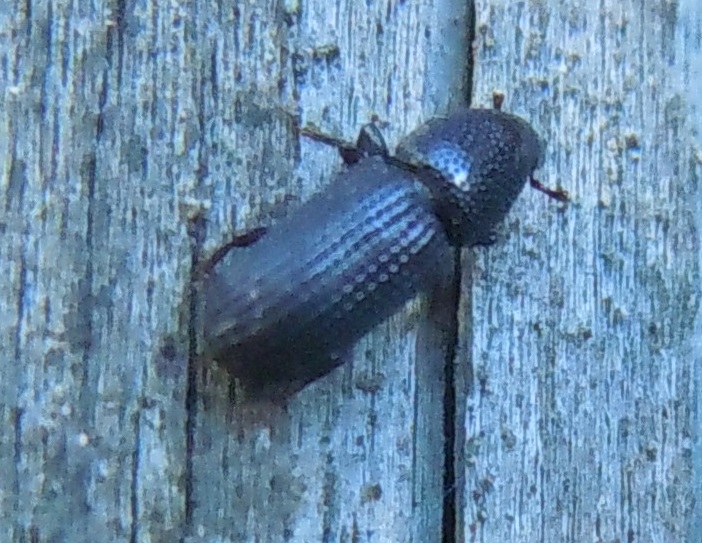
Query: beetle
[[287, 306]]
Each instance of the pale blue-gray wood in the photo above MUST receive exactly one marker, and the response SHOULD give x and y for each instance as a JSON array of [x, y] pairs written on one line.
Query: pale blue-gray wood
[[577, 398], [120, 133], [583, 335]]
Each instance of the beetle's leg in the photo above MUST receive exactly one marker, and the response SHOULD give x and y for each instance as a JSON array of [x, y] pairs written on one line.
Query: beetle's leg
[[557, 194], [240, 240], [347, 151], [370, 142]]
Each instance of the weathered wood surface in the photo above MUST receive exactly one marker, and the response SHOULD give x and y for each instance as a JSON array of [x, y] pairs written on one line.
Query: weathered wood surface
[[575, 385], [121, 123], [580, 423]]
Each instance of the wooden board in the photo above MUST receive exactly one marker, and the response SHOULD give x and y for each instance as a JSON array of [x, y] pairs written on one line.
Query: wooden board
[[583, 335], [138, 136]]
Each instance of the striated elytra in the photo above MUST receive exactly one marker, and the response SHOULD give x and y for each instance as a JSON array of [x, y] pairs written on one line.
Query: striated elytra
[[286, 308]]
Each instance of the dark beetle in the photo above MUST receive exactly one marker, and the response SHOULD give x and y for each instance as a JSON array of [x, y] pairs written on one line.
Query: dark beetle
[[287, 307]]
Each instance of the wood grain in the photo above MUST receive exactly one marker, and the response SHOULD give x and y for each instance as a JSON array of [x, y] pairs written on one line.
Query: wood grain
[[582, 332], [138, 136]]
